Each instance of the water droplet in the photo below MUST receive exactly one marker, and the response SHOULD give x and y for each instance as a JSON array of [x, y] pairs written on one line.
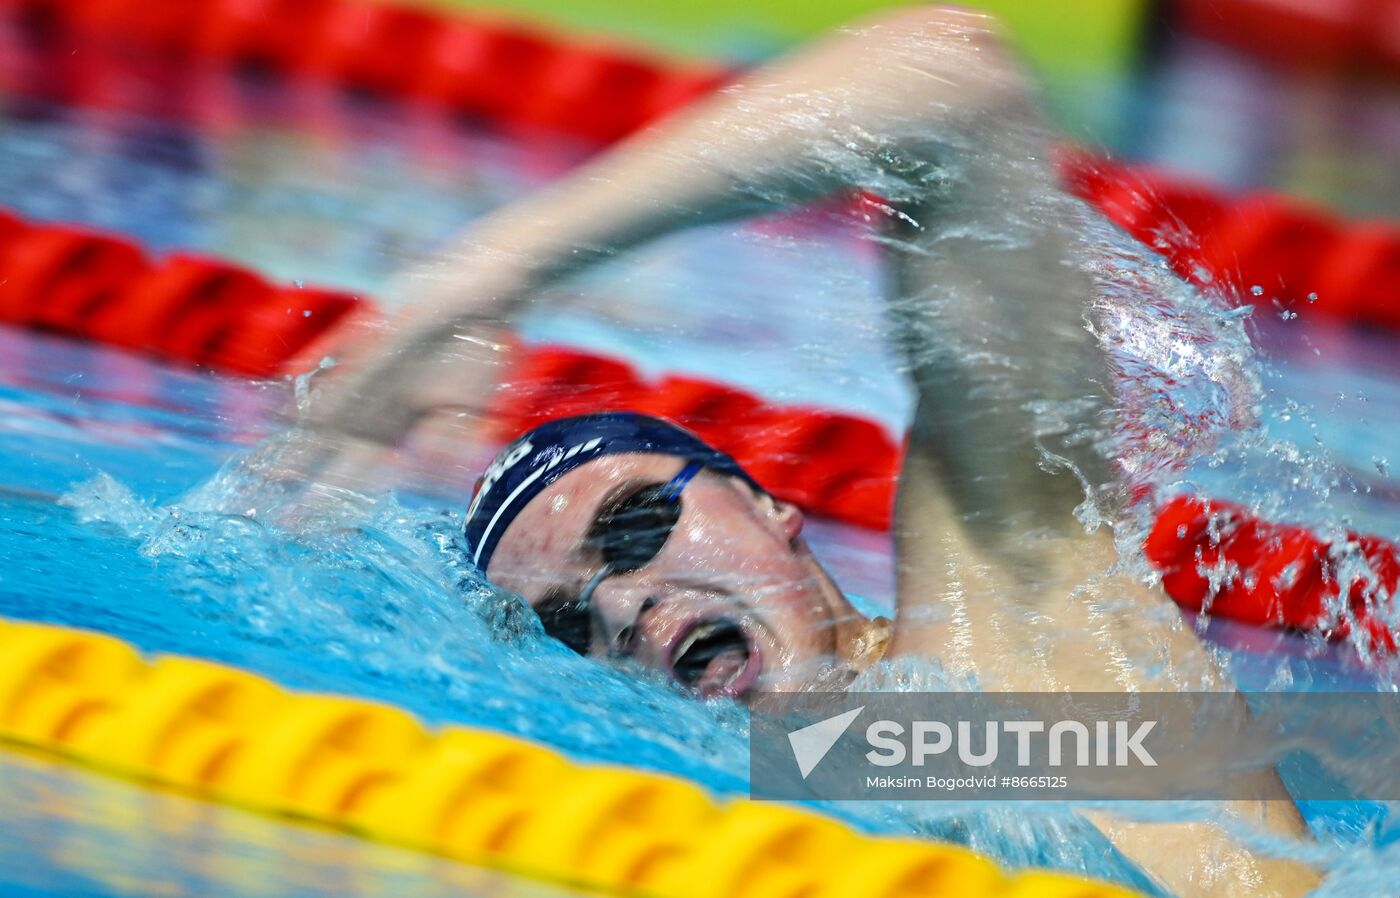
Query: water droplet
[[1382, 464], [1286, 315], [306, 313], [1256, 290], [1312, 297], [299, 283]]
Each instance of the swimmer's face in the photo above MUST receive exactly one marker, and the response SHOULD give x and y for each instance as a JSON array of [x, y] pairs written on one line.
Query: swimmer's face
[[733, 601]]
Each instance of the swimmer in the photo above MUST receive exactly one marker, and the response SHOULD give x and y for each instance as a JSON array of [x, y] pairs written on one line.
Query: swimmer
[[631, 537]]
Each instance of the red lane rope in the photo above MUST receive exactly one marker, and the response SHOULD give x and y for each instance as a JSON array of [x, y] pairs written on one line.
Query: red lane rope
[[495, 70], [202, 311], [1298, 256], [1215, 556], [511, 74], [185, 309]]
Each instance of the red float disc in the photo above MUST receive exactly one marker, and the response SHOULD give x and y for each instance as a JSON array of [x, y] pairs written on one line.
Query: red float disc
[[56, 277], [1269, 248], [175, 308], [259, 338], [1359, 278]]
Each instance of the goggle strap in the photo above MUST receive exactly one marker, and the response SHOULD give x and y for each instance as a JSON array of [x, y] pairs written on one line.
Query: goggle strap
[[672, 490], [585, 595]]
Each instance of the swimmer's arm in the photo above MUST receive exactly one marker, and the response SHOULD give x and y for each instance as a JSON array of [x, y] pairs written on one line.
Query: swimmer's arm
[[993, 309], [853, 110]]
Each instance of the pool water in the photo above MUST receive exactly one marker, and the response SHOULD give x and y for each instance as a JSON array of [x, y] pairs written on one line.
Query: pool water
[[127, 500]]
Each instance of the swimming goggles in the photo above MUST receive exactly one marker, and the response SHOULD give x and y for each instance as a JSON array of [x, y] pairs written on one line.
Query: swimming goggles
[[628, 534]]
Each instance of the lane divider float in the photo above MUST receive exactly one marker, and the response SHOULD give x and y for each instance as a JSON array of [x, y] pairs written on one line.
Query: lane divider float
[[485, 798]]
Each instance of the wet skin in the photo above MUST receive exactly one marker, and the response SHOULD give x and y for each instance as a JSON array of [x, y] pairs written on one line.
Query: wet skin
[[735, 568]]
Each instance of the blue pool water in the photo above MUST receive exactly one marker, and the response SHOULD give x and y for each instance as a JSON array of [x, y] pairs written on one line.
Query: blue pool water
[[125, 499]]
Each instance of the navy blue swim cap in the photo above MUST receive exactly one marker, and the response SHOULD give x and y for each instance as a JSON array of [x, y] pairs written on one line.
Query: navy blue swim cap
[[541, 456]]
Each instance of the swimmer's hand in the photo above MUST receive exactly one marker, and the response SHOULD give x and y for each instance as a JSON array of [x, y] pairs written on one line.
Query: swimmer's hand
[[428, 372]]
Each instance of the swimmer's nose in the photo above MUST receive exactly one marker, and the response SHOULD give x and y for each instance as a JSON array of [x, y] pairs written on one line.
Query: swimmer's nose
[[624, 643], [619, 609]]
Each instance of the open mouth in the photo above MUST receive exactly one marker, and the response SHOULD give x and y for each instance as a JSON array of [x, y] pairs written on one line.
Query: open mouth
[[716, 658]]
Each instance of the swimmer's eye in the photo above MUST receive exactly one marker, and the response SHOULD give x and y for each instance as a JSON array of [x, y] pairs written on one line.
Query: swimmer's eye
[[632, 528], [567, 619]]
